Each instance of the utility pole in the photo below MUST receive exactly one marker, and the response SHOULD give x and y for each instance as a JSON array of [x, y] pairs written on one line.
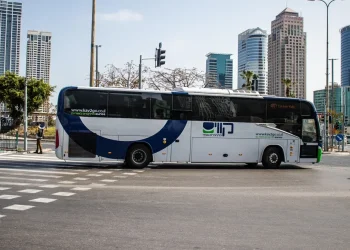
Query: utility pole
[[92, 56], [97, 73], [332, 102], [140, 72], [25, 146], [344, 114]]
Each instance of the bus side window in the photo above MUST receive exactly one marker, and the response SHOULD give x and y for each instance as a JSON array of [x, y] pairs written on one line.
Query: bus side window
[[161, 106]]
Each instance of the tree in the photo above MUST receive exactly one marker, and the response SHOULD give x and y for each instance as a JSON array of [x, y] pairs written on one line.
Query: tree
[[247, 75], [12, 93], [168, 79], [288, 86], [127, 77]]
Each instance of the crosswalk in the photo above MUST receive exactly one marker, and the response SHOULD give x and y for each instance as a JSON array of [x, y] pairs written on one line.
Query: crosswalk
[[29, 181]]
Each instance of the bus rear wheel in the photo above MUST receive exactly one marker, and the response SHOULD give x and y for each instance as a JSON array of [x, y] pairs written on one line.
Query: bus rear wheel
[[272, 157], [138, 156]]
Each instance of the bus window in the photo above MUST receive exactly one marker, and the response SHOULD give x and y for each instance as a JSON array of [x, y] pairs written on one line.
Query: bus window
[[161, 105], [125, 105], [250, 110], [182, 107], [85, 103], [213, 108], [306, 109], [309, 132]]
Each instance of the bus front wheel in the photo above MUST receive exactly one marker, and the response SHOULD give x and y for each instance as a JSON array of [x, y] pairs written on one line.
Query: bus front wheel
[[138, 156], [272, 157]]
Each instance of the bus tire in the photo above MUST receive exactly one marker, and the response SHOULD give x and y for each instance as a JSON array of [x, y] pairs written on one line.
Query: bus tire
[[138, 156], [272, 157]]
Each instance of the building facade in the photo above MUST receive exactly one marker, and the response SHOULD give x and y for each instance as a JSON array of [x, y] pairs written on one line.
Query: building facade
[[219, 70], [38, 63], [287, 54], [252, 56], [345, 56], [346, 102], [320, 97], [10, 31]]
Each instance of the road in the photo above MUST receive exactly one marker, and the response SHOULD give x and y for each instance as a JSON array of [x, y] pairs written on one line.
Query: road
[[48, 204]]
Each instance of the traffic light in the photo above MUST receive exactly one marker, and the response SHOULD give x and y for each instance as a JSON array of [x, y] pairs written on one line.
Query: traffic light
[[337, 125], [160, 56]]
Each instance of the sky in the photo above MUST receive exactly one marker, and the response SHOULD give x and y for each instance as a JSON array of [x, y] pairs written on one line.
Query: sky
[[188, 29]]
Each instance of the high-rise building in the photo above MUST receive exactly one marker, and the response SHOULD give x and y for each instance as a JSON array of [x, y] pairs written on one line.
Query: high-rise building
[[10, 30], [346, 102], [39, 61], [287, 54], [345, 56], [320, 97], [252, 56], [219, 70]]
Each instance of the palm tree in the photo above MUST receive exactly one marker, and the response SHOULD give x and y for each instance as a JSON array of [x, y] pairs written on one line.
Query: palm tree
[[288, 84], [247, 75]]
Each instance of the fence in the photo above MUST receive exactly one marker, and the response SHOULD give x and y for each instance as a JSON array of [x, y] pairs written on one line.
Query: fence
[[8, 140]]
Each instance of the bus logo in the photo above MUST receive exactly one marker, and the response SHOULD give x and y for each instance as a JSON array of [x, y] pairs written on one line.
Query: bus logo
[[217, 128]]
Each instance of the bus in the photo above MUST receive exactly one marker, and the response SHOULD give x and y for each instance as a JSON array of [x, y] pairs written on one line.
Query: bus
[[185, 125]]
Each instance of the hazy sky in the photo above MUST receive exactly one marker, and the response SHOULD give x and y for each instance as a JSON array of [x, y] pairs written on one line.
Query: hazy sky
[[189, 29]]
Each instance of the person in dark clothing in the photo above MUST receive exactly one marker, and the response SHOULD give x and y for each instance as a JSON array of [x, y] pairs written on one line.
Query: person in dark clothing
[[39, 136]]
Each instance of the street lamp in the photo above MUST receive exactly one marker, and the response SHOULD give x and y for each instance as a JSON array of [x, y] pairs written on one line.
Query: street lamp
[[97, 73], [327, 77]]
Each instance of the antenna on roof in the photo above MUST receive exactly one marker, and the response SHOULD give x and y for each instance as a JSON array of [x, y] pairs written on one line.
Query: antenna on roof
[[286, 3]]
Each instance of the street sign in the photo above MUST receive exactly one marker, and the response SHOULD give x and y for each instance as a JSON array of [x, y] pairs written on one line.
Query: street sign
[[339, 137]]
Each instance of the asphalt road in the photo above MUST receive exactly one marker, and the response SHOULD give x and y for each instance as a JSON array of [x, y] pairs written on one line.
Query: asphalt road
[[174, 207]]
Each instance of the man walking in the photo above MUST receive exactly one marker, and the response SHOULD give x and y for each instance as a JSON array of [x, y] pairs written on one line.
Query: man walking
[[39, 136]]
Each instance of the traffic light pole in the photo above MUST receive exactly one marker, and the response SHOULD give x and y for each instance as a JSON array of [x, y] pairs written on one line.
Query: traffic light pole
[[140, 69]]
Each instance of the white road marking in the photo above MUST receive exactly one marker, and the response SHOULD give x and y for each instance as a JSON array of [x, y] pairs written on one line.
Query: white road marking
[[67, 182], [43, 200], [49, 186], [80, 189], [80, 170], [38, 171], [30, 191], [8, 197], [64, 194], [105, 172], [35, 175], [20, 178], [97, 175], [3, 188], [2, 216], [106, 180], [120, 176], [97, 184], [118, 169], [15, 183], [130, 173], [19, 207], [138, 171], [80, 179]]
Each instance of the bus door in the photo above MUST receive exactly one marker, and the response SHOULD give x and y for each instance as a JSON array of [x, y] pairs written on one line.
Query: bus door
[[81, 145], [309, 146]]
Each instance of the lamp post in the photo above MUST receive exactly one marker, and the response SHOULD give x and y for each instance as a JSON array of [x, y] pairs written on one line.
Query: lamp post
[[97, 73], [327, 76]]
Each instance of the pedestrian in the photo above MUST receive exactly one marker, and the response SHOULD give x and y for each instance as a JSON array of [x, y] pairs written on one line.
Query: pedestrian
[[39, 136]]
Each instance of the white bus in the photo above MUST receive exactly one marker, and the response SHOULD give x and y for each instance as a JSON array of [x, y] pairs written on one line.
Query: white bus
[[185, 126]]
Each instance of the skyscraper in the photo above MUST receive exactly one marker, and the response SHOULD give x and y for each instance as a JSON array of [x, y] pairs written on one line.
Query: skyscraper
[[345, 56], [10, 30], [39, 55], [219, 70], [287, 54], [252, 56], [39, 61]]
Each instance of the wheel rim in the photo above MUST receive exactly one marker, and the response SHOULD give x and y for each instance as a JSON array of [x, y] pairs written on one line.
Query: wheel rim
[[273, 158], [139, 156]]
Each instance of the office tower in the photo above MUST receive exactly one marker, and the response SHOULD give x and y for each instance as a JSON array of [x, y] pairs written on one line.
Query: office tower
[[287, 54], [345, 56], [252, 56], [320, 97], [219, 70], [10, 30], [39, 62]]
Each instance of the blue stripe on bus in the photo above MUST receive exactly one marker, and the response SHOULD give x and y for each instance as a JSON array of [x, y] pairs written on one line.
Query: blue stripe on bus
[[115, 149]]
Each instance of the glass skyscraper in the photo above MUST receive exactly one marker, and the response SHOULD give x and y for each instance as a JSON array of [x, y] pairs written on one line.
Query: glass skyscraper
[[219, 70], [345, 56], [320, 97], [252, 56], [10, 30]]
